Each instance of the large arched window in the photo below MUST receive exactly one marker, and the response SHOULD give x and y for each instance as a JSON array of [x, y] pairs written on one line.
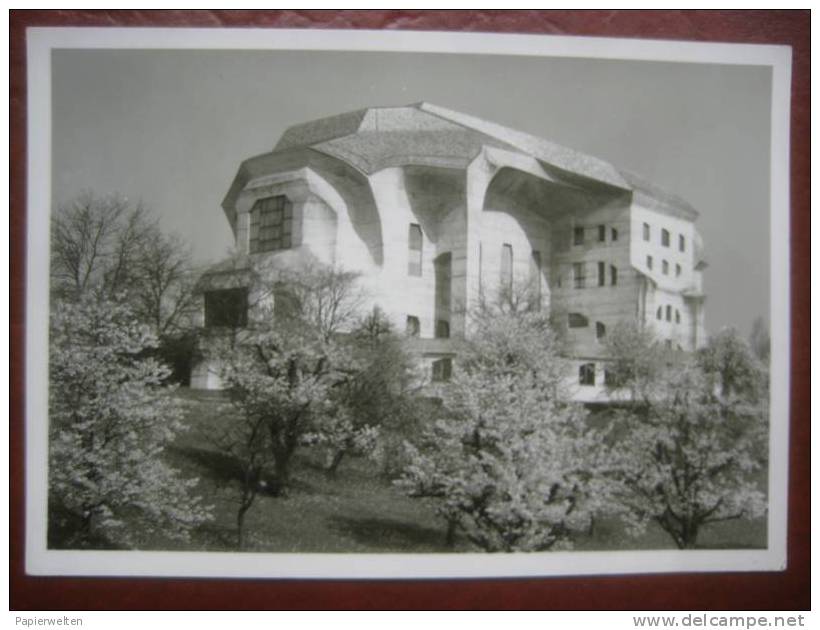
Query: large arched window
[[271, 224]]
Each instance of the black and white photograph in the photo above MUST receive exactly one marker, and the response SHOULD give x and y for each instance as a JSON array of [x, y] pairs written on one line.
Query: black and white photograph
[[309, 304]]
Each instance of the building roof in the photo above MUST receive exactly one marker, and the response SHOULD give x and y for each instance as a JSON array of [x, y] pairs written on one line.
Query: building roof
[[374, 138], [377, 137], [655, 198]]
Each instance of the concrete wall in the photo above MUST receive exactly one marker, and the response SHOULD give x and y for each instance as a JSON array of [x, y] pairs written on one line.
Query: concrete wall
[[607, 304], [667, 288]]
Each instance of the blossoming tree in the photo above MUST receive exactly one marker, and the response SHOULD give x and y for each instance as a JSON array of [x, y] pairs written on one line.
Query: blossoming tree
[[110, 418], [507, 461]]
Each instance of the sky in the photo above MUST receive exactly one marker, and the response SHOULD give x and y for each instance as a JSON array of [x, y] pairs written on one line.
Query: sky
[[170, 128]]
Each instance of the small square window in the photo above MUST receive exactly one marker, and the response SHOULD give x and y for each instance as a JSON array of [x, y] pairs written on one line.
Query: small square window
[[442, 370], [578, 236]]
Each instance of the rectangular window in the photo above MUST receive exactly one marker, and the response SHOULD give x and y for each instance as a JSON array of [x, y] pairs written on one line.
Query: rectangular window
[[579, 275], [665, 238], [226, 308], [614, 235], [442, 329], [601, 274], [442, 370], [668, 313], [649, 262], [413, 326], [665, 267], [601, 233], [586, 374], [271, 224], [613, 275], [506, 267], [414, 250], [646, 233], [576, 320], [681, 243], [535, 277], [677, 270], [578, 236]]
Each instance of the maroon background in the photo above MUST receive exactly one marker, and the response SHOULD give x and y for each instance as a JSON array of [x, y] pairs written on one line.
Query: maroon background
[[784, 590]]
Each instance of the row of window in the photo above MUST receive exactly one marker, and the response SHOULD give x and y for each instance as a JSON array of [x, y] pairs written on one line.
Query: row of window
[[586, 375], [579, 275], [413, 327], [659, 314], [579, 234], [577, 320], [650, 263], [666, 237]]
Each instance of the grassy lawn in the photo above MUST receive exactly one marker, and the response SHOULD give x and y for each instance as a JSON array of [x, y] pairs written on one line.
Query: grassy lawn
[[358, 510]]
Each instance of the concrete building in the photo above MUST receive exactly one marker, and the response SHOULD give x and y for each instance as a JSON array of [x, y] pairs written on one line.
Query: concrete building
[[435, 208]]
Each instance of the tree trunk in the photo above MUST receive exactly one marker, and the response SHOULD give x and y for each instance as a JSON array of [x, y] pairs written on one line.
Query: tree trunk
[[450, 538], [330, 471], [240, 525], [281, 468]]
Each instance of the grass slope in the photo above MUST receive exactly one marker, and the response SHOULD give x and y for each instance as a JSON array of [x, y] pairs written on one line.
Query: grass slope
[[357, 511]]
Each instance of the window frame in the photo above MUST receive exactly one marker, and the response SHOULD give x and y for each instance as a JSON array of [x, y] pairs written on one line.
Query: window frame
[[215, 311], [412, 326], [577, 320], [579, 280], [586, 374], [265, 221], [665, 237], [578, 235], [415, 255]]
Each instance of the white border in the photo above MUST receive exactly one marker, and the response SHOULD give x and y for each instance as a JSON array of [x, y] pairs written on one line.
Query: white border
[[42, 561]]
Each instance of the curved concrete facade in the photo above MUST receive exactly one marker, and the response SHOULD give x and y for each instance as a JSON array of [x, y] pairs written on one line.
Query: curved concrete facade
[[436, 210]]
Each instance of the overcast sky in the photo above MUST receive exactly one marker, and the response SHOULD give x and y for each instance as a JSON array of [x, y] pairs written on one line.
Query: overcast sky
[[171, 127]]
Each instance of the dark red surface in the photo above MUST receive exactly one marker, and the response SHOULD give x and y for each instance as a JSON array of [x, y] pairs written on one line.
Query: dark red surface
[[776, 591]]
